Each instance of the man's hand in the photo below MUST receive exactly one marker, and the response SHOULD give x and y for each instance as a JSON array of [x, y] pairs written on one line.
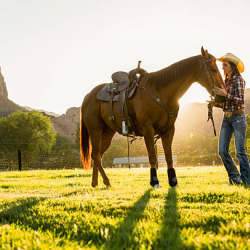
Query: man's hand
[[219, 91]]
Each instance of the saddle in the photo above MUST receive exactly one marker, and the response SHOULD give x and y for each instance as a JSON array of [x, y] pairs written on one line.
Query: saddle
[[120, 83], [120, 90]]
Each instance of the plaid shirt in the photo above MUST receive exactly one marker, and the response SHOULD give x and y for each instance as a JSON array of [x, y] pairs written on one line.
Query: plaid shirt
[[235, 94]]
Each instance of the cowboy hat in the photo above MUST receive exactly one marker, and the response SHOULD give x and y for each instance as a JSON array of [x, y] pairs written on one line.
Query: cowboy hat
[[234, 59]]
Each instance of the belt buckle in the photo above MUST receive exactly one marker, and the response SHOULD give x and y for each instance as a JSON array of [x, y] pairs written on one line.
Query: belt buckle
[[228, 114]]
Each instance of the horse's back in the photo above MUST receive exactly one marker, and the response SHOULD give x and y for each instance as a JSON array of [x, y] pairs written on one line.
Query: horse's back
[[91, 107], [90, 98]]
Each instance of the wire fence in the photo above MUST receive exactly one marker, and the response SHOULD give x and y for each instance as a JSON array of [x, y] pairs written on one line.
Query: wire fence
[[34, 160]]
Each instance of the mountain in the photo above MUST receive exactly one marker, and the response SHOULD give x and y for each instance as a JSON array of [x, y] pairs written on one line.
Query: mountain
[[191, 118], [48, 113], [6, 105], [3, 88], [65, 124], [68, 123]]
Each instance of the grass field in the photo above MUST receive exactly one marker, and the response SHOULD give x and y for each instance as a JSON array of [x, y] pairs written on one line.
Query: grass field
[[60, 210]]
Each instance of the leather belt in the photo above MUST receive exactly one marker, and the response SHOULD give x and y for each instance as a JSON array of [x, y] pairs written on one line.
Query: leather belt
[[228, 114]]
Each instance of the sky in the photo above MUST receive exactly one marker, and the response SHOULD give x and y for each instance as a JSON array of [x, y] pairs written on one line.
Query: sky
[[53, 52]]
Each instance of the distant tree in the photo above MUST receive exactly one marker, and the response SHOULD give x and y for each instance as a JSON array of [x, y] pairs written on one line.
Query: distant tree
[[28, 131], [214, 145], [197, 143], [63, 144], [77, 140], [248, 127]]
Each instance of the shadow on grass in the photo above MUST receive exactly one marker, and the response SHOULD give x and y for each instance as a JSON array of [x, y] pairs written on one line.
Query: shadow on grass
[[169, 235], [122, 236], [17, 211], [246, 186], [126, 235], [23, 211]]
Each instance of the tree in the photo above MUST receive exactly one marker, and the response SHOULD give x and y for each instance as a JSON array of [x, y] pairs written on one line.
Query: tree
[[63, 144], [28, 131], [77, 140], [248, 126], [214, 145]]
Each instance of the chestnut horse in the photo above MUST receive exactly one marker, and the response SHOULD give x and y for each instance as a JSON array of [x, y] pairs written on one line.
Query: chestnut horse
[[149, 118]]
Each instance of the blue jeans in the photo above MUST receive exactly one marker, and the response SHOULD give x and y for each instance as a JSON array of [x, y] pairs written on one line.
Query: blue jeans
[[236, 125]]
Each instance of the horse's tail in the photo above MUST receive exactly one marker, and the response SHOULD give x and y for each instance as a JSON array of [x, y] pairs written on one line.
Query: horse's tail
[[85, 144]]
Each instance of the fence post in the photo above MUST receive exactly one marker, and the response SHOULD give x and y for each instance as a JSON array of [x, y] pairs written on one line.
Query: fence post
[[19, 160]]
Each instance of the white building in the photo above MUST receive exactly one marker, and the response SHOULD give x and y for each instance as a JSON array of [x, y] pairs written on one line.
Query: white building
[[140, 161]]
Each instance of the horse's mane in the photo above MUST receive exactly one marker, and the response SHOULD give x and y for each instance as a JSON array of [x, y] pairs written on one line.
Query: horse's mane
[[173, 72]]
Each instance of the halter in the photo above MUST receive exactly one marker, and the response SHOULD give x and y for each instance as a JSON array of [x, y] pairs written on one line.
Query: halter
[[204, 66]]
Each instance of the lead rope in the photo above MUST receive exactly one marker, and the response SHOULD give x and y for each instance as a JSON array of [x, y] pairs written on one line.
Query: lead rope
[[209, 106], [210, 116]]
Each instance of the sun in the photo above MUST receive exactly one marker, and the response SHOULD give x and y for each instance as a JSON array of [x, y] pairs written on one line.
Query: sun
[[196, 93]]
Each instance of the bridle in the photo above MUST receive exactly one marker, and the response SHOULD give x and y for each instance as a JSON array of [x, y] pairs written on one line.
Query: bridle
[[209, 106], [204, 66]]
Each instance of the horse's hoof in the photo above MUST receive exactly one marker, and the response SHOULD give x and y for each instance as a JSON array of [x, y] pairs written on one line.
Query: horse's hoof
[[94, 185], [157, 186], [107, 183], [172, 177]]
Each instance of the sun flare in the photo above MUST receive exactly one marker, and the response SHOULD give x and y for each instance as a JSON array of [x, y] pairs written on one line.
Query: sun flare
[[196, 93]]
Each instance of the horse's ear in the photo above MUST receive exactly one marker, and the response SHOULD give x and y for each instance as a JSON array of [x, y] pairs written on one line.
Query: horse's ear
[[203, 51], [207, 53]]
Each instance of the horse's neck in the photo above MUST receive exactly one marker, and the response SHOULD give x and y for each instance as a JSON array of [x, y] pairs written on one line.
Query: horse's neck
[[180, 86]]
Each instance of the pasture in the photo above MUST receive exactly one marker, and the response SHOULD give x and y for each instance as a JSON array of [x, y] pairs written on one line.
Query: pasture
[[58, 209]]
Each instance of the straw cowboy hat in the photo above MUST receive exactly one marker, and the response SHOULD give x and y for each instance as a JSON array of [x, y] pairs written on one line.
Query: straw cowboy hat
[[234, 59]]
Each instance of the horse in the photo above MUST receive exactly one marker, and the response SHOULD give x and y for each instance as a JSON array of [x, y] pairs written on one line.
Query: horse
[[153, 109]]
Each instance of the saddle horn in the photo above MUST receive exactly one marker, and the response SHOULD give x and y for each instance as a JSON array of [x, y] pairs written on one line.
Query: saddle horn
[[139, 65]]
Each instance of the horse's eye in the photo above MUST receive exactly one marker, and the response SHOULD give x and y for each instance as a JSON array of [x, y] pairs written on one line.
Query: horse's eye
[[214, 70]]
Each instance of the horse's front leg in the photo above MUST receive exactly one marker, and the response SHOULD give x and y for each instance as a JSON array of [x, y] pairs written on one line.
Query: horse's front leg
[[167, 139], [148, 133]]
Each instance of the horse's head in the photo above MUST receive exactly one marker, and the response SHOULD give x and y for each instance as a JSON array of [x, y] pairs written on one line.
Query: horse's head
[[209, 75]]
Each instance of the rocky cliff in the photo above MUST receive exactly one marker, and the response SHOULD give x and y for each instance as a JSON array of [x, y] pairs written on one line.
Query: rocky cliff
[[3, 88], [191, 118], [6, 105], [67, 124]]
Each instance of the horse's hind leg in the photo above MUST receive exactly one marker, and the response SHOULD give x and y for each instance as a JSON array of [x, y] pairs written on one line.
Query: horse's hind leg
[[95, 176], [95, 135], [107, 136], [100, 143]]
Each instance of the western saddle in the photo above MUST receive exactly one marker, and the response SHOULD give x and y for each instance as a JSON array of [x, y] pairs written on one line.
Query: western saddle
[[120, 90]]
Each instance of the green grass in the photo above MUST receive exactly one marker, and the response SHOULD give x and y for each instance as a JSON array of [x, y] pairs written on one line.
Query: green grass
[[60, 210]]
